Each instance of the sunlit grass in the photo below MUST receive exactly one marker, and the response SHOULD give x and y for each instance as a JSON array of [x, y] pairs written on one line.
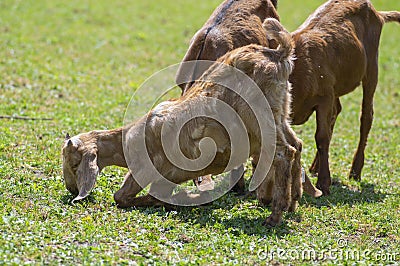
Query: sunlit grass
[[79, 62]]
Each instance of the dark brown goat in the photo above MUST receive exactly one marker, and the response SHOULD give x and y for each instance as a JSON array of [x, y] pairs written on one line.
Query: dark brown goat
[[336, 50]]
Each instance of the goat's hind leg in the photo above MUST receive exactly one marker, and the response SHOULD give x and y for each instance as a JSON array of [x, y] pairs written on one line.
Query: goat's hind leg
[[367, 114], [314, 165]]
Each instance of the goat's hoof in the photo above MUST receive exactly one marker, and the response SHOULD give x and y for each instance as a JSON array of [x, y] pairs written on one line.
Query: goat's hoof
[[264, 201], [272, 221], [293, 206], [249, 195], [355, 176], [238, 189], [122, 206], [169, 207], [311, 190], [121, 202], [324, 189]]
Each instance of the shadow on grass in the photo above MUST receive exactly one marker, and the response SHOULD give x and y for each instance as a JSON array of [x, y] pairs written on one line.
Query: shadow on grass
[[342, 194], [243, 221], [229, 212]]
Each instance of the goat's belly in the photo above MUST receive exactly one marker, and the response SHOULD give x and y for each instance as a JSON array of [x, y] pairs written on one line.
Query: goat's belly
[[345, 88], [350, 74], [179, 174], [301, 115]]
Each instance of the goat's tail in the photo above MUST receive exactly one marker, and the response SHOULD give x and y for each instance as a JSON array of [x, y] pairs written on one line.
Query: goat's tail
[[390, 16], [277, 33]]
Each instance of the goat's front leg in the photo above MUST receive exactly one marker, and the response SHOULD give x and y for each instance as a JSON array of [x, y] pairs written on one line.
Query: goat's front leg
[[315, 164], [265, 190], [298, 184], [146, 201], [296, 172], [126, 194], [159, 191], [322, 139], [282, 165], [185, 198]]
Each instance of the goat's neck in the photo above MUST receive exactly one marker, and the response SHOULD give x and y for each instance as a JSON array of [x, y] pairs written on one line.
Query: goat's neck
[[109, 148]]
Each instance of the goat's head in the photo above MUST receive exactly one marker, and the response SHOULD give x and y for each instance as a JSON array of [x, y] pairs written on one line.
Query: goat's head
[[80, 167]]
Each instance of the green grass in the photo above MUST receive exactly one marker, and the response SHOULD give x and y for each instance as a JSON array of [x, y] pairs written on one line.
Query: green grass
[[78, 62]]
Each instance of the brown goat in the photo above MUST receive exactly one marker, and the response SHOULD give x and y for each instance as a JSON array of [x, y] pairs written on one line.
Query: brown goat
[[86, 154], [233, 24], [336, 50]]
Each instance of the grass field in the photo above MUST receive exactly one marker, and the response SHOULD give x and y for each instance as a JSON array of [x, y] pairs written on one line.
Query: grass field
[[78, 63]]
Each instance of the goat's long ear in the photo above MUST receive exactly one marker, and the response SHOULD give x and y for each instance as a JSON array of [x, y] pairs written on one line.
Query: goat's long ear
[[86, 175]]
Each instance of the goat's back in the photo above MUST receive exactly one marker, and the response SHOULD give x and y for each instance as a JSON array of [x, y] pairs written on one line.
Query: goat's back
[[233, 24], [333, 48]]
